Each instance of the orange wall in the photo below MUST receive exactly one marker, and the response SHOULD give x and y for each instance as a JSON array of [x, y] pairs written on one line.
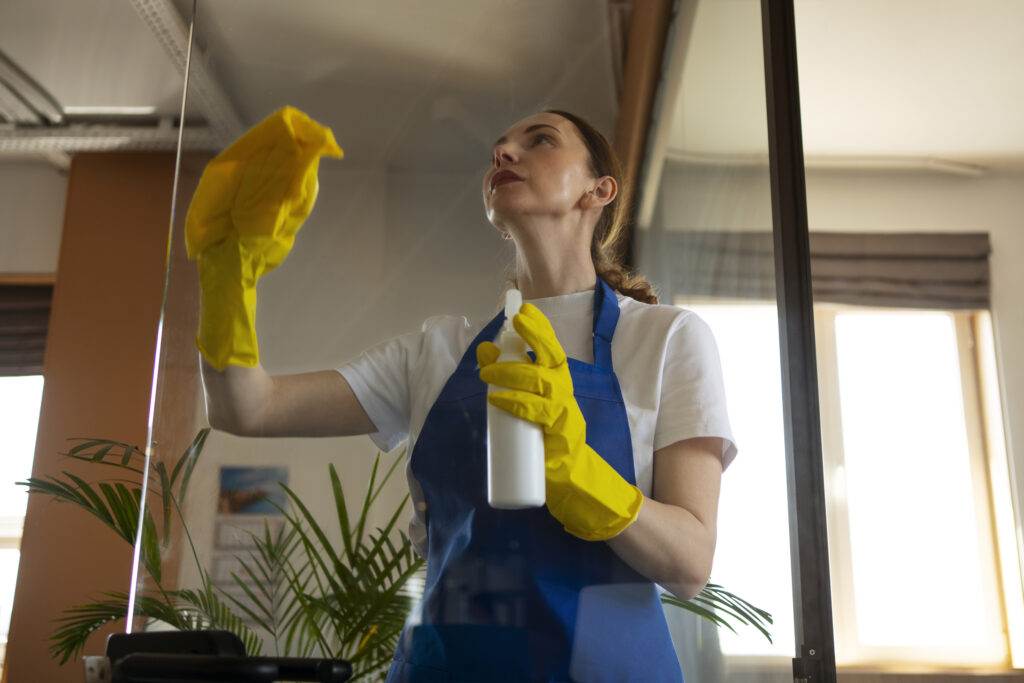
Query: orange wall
[[98, 370]]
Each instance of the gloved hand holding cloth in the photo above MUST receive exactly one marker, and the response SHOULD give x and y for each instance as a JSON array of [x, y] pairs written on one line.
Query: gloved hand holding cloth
[[251, 201], [590, 499]]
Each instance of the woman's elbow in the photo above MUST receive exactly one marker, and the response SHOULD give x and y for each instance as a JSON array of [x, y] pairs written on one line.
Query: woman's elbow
[[684, 591], [690, 585], [224, 422], [693, 572]]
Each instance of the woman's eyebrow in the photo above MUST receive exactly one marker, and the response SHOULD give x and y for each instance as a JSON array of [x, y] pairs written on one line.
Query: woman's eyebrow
[[531, 128]]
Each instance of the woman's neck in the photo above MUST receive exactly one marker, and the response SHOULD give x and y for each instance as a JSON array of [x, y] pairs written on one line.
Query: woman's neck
[[548, 272]]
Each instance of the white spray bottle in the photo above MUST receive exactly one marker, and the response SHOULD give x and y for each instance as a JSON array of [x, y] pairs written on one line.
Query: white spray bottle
[[515, 447]]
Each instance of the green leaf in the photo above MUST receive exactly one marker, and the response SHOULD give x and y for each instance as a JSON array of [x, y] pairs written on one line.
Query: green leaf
[[89, 443], [78, 623], [102, 453], [125, 518], [150, 554], [698, 610], [343, 573], [367, 501], [97, 507], [188, 461], [342, 509], [165, 497]]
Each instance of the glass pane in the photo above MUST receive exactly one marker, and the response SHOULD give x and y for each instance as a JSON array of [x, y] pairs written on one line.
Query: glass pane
[[705, 238], [368, 324], [910, 200]]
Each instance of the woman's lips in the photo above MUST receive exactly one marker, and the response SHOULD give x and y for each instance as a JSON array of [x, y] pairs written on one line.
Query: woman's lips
[[505, 181]]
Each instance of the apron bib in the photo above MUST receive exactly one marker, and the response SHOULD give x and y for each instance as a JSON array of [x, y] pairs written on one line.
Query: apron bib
[[510, 595]]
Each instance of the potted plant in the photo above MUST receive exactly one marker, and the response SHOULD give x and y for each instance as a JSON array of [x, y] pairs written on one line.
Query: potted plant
[[307, 595]]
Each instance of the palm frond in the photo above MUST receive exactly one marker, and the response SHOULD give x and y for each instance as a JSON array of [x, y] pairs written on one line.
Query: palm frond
[[264, 581], [360, 605], [713, 601], [312, 595], [214, 613], [79, 622]]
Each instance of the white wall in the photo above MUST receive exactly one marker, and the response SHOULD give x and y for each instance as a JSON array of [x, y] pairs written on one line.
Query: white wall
[[905, 201], [31, 216]]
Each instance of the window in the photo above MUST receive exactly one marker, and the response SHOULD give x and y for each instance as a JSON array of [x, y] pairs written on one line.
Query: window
[[921, 535], [915, 571], [19, 404]]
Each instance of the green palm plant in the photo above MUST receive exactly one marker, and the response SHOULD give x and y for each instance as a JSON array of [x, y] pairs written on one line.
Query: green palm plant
[[309, 595], [311, 598]]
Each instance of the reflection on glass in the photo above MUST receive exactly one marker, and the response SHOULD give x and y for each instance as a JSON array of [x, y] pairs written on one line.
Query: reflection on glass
[[705, 235], [916, 279], [361, 331]]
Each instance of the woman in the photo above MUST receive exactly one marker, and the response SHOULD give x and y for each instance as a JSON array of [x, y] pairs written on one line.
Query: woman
[[628, 393]]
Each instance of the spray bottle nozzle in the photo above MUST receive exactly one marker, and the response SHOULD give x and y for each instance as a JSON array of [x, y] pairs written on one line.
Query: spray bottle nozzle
[[509, 340], [513, 302]]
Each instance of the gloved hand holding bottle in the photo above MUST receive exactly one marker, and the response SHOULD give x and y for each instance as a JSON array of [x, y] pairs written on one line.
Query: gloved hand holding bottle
[[584, 492], [251, 201]]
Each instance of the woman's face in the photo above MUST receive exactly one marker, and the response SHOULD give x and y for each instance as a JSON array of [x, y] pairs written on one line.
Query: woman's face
[[547, 153]]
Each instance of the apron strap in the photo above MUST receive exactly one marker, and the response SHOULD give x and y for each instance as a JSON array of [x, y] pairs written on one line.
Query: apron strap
[[489, 332], [606, 318]]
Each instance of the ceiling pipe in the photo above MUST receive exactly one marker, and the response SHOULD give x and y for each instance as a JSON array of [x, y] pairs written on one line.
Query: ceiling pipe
[[101, 138], [204, 90]]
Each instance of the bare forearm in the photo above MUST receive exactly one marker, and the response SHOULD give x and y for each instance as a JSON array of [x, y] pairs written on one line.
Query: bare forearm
[[249, 402], [668, 545], [235, 397]]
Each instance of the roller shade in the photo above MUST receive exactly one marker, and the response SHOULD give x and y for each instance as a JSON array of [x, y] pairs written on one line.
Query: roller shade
[[904, 270], [24, 320]]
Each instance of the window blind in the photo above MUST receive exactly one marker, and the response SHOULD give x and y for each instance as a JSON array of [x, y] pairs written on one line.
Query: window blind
[[903, 270], [24, 320]]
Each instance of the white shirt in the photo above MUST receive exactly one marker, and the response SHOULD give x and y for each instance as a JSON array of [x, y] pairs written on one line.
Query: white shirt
[[665, 358]]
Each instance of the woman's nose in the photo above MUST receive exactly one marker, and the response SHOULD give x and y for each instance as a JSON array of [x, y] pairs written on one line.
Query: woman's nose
[[501, 152]]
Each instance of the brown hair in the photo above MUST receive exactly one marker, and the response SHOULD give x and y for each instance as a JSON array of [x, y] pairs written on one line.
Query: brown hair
[[611, 225]]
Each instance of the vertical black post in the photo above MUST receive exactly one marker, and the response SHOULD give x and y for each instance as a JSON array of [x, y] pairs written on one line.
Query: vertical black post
[[815, 658]]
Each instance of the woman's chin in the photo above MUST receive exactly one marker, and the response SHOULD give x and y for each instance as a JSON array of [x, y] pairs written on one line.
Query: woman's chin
[[500, 211]]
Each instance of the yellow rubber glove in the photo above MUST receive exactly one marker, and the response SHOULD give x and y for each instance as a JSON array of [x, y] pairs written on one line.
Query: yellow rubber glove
[[251, 201], [584, 492]]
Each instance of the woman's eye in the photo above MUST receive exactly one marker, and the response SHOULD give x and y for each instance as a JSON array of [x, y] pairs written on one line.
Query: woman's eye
[[536, 140]]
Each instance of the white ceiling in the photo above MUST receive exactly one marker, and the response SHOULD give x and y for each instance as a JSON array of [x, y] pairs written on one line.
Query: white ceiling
[[413, 84], [878, 78], [418, 84], [90, 53]]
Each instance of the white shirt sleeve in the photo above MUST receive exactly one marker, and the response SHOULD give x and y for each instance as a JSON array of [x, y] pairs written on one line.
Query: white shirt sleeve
[[379, 378], [692, 399]]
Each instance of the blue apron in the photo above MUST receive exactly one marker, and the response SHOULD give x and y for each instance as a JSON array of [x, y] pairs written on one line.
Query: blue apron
[[510, 595]]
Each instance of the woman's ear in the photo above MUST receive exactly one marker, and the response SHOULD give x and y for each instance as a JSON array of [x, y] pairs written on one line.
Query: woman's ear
[[605, 191]]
